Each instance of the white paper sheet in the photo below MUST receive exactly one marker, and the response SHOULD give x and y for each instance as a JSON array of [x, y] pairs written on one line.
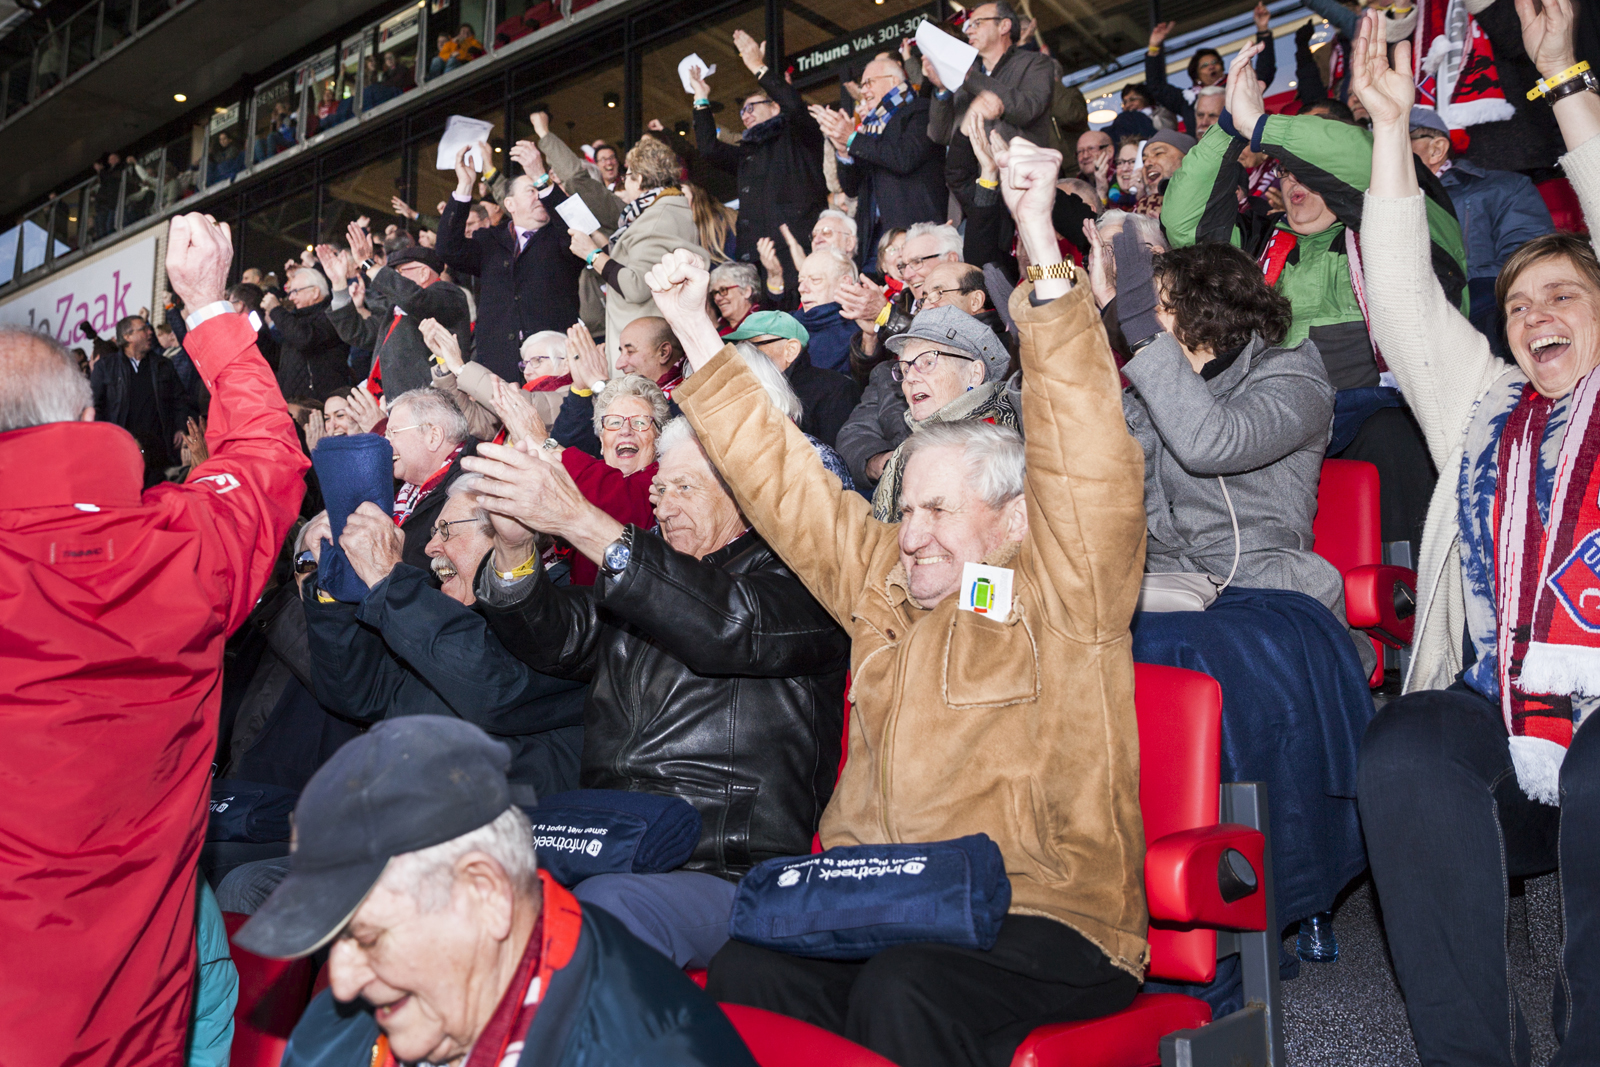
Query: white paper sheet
[[950, 58], [693, 60], [576, 214], [460, 131]]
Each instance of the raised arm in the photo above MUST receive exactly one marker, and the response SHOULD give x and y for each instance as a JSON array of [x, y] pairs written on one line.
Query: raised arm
[[248, 492], [454, 246], [1027, 98], [1200, 202], [1085, 484]]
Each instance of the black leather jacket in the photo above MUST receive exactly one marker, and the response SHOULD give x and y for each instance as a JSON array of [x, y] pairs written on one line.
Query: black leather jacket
[[720, 681]]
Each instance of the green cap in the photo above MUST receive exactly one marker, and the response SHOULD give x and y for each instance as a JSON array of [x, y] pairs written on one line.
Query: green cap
[[770, 324]]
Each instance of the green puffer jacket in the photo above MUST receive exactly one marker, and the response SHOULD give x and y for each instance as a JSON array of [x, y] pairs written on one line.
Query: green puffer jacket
[[1335, 160]]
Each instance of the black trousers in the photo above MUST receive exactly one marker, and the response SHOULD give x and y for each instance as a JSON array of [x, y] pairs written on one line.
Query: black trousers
[[1446, 826], [928, 1005]]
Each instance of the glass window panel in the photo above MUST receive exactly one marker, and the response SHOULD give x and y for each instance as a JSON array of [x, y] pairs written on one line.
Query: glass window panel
[[225, 154], [326, 105], [8, 254], [455, 41], [180, 175], [116, 24], [368, 191], [81, 39], [17, 88], [434, 185], [103, 193], [142, 195], [663, 95], [392, 69], [281, 232], [66, 227], [583, 110], [52, 57], [276, 117], [35, 238]]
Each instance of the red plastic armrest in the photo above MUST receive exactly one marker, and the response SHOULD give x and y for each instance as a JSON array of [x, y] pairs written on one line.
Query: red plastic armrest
[[1369, 602], [1181, 878]]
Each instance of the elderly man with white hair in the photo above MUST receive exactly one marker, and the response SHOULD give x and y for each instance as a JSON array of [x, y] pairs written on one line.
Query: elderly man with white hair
[[714, 675], [312, 359], [1017, 723], [446, 942], [821, 274], [429, 436]]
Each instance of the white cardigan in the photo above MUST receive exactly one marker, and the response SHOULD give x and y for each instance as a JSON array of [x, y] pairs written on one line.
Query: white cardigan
[[1444, 367]]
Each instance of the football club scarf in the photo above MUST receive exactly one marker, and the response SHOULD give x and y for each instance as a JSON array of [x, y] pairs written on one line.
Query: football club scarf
[[1454, 66], [1547, 628], [875, 121]]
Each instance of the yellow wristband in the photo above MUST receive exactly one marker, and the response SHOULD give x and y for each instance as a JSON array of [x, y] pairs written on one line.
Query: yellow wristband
[[883, 316], [1544, 85], [989, 183], [778, 291], [522, 570], [576, 391], [324, 598]]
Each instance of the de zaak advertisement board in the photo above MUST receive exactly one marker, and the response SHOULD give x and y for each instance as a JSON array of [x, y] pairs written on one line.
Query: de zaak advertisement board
[[111, 286]]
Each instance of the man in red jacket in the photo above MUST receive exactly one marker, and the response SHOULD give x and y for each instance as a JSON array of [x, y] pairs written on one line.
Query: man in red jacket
[[114, 605]]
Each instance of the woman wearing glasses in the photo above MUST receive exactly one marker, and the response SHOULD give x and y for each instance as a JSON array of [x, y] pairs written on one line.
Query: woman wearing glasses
[[951, 368]]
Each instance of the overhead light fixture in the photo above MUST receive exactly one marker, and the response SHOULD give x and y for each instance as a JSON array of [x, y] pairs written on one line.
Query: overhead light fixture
[[497, 150], [179, 97], [612, 99], [1105, 114]]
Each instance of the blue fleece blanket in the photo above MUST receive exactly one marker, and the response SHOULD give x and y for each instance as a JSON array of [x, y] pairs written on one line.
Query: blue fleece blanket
[[1295, 704], [350, 470]]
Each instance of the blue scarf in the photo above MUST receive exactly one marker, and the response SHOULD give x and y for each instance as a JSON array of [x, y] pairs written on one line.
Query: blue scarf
[[888, 104]]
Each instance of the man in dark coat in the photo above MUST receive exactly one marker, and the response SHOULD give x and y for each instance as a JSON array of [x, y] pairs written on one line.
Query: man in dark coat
[[827, 397], [1010, 85], [312, 360], [138, 389], [409, 283], [527, 274], [779, 160], [410, 649], [715, 676], [413, 816], [889, 165]]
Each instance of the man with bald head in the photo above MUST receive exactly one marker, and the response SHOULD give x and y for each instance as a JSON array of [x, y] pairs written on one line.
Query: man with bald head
[[891, 167], [115, 602], [1097, 160]]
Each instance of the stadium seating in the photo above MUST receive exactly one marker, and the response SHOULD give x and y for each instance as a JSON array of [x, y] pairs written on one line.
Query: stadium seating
[[272, 995]]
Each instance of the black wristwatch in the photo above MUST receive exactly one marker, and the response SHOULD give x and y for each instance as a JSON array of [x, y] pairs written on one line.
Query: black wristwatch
[[618, 553]]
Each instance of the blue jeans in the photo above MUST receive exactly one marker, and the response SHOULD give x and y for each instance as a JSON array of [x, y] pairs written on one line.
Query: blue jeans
[[681, 914], [1446, 826]]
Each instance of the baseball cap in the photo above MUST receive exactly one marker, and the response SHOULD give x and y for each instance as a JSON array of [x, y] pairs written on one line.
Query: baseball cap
[[428, 257], [956, 329], [1181, 141], [770, 324], [406, 784], [1428, 118]]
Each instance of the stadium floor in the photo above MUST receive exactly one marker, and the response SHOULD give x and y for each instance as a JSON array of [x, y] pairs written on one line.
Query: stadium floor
[[1349, 1013]]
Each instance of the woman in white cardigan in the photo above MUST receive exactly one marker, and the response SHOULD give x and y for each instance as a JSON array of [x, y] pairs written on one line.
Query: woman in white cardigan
[[1486, 770]]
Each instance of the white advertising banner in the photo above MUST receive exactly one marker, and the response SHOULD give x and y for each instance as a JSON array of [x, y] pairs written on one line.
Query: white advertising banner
[[111, 286]]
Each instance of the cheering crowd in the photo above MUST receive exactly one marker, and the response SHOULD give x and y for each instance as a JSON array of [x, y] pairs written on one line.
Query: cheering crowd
[[593, 494]]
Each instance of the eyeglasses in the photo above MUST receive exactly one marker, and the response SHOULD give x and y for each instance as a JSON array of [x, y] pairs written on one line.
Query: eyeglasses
[[724, 290], [924, 363], [986, 18], [392, 430], [640, 423], [895, 78], [441, 530], [927, 294], [750, 107], [918, 261], [297, 289], [524, 364]]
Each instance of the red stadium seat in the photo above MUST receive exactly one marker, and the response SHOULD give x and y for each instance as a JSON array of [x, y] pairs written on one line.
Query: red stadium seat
[[1378, 598], [779, 1041], [1565, 211], [1200, 875], [272, 995]]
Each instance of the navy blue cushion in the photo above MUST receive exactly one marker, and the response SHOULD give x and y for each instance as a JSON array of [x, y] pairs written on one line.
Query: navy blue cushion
[[249, 811], [851, 902], [351, 471], [585, 832]]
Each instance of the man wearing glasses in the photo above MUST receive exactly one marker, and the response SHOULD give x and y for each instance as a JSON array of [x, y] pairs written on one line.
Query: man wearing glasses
[[429, 436], [889, 164], [778, 162], [312, 360], [1011, 88]]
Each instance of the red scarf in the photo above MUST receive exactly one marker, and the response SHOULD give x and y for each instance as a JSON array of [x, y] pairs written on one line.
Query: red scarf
[[554, 940], [1276, 256], [1548, 631], [549, 383], [1454, 67]]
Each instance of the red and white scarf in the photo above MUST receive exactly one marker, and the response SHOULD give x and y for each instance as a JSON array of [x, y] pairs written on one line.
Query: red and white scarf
[[1548, 631], [1275, 257], [410, 495], [1454, 67]]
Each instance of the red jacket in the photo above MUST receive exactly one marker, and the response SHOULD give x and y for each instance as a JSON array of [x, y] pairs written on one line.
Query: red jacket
[[113, 611], [625, 497]]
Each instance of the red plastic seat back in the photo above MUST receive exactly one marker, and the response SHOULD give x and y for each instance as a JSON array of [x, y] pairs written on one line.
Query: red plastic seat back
[[779, 1041], [1180, 754], [1562, 200], [272, 996], [1348, 529]]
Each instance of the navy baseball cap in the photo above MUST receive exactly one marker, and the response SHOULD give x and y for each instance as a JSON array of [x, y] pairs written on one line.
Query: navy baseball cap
[[406, 784]]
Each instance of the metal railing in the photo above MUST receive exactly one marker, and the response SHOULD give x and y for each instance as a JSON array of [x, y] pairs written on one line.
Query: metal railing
[[78, 42]]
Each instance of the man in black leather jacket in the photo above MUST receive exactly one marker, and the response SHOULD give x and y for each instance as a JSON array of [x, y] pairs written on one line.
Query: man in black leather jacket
[[714, 675]]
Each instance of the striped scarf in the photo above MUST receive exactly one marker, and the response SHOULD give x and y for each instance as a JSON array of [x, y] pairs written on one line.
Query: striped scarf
[[632, 211], [876, 120]]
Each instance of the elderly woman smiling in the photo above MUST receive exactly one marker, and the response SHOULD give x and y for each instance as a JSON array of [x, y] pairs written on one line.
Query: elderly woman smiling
[[1489, 767], [951, 368]]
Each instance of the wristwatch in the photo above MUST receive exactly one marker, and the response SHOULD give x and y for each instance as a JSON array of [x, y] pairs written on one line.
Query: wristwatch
[[619, 552], [550, 444], [1054, 270]]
